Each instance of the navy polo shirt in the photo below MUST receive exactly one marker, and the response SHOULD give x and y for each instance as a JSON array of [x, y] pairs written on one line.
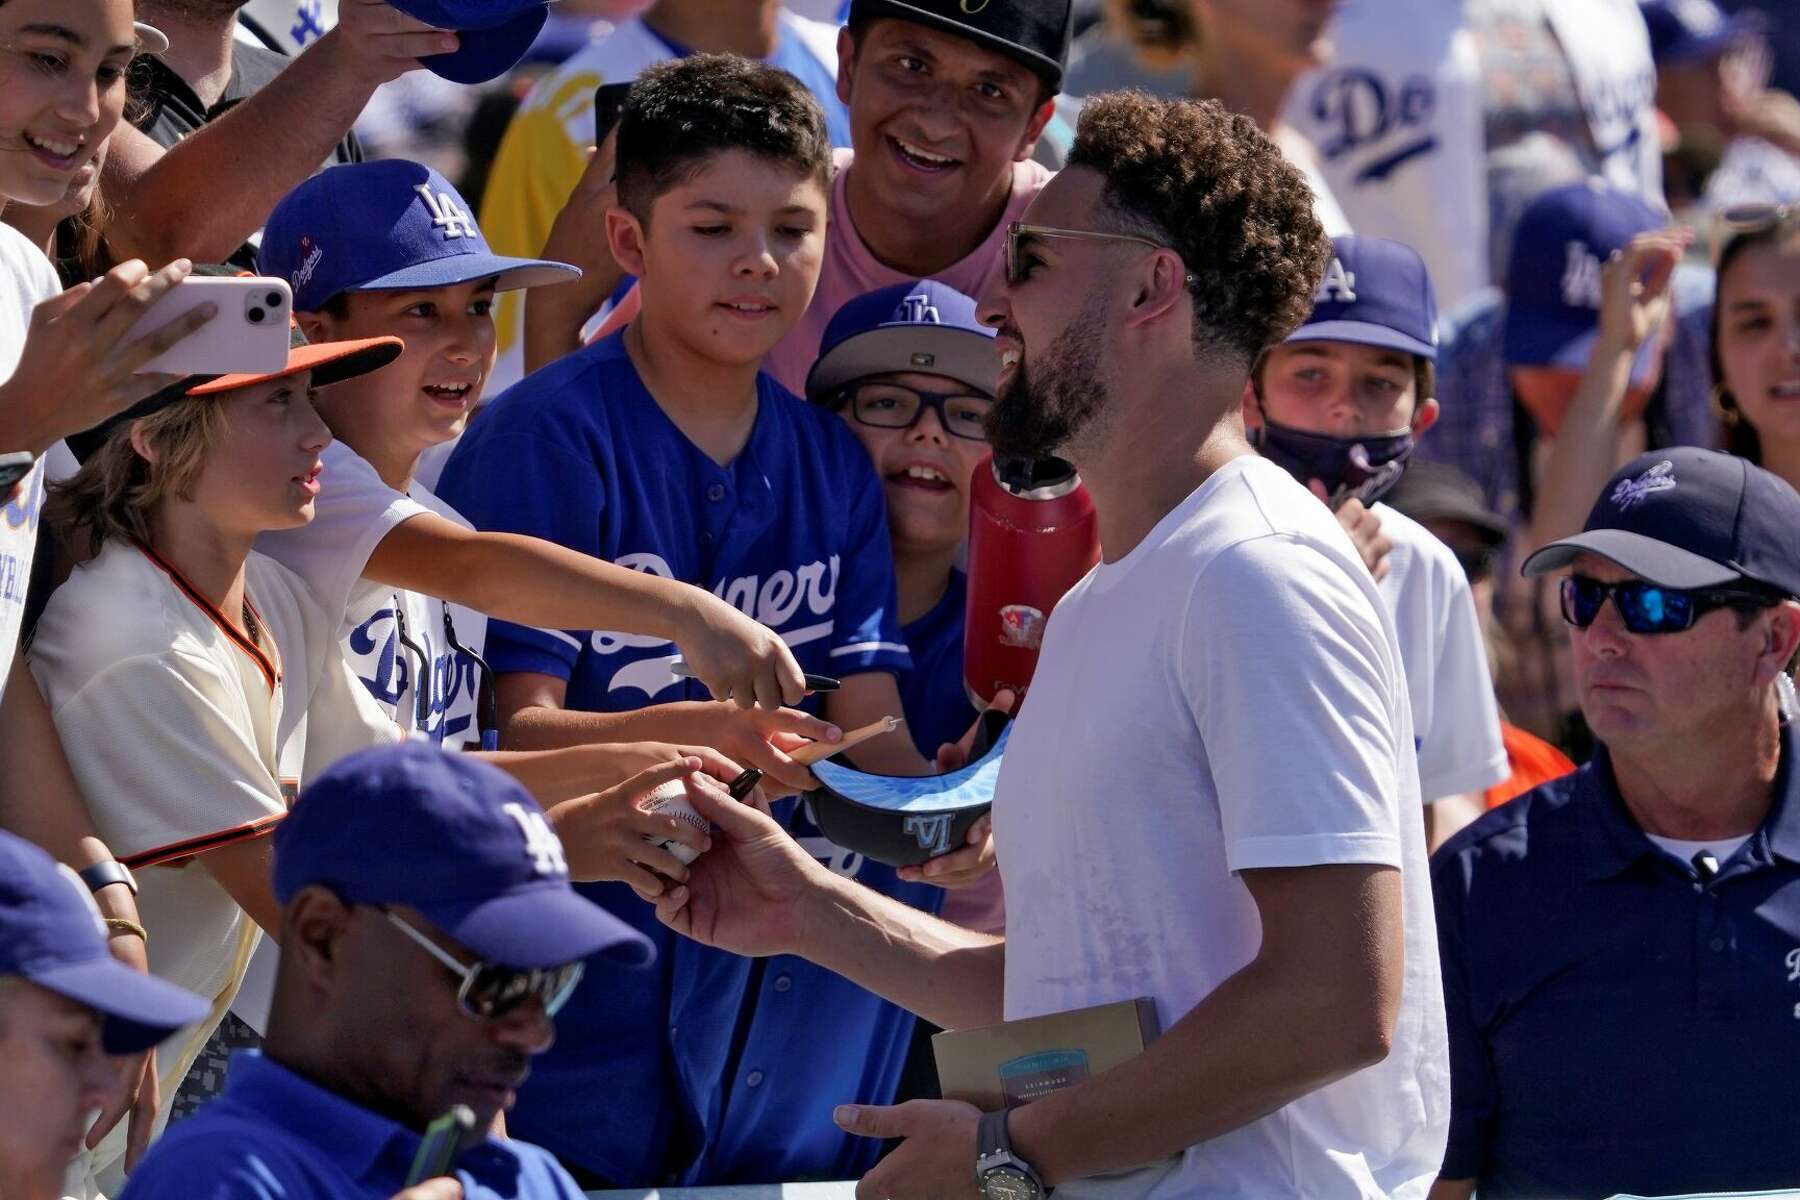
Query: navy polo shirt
[[1617, 1022], [272, 1135]]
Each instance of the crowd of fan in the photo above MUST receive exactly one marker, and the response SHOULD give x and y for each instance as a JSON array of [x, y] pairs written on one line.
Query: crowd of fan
[[1421, 745]]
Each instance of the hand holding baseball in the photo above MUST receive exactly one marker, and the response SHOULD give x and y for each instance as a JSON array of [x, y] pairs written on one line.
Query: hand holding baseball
[[611, 835]]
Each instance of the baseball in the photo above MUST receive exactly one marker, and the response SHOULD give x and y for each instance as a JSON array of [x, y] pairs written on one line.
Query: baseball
[[670, 799]]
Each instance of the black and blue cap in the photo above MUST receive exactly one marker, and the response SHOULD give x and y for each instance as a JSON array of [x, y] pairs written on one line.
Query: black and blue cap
[[1375, 292], [1035, 33], [389, 225], [1692, 31], [494, 34], [919, 325], [455, 838], [1553, 284], [1686, 517], [51, 934]]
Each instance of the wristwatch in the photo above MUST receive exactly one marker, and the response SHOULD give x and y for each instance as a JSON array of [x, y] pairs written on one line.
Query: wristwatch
[[105, 874], [999, 1173]]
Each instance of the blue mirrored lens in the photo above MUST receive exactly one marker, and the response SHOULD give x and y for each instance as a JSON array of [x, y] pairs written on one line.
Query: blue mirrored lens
[[1648, 608]]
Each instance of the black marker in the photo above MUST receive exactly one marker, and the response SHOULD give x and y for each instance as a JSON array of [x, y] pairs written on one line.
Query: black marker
[[740, 787]]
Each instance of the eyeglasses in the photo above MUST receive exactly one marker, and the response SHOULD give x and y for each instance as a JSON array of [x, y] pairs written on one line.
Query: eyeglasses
[[489, 991], [1018, 231], [1741, 219], [896, 406], [1650, 608]]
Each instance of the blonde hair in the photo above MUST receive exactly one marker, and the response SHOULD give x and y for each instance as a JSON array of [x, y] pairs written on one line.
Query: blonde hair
[[114, 493]]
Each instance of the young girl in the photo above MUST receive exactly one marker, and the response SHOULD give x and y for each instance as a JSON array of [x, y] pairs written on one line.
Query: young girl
[[1756, 338]]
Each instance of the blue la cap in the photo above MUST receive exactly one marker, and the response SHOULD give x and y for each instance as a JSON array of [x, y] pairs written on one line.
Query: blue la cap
[[51, 934], [1375, 292], [1688, 31], [384, 226], [494, 34], [919, 325], [1690, 518], [1563, 240], [456, 838]]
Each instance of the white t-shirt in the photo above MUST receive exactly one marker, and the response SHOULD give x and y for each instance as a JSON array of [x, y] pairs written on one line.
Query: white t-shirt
[[26, 280], [354, 511], [184, 737], [1232, 698], [1456, 724], [1396, 119]]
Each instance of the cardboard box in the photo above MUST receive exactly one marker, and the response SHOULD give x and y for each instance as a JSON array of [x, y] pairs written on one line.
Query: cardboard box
[[1015, 1062]]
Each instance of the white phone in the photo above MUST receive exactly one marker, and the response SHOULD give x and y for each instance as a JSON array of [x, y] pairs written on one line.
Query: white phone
[[249, 334]]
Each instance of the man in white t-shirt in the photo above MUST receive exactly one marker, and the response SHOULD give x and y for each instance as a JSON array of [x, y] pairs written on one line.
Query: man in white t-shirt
[[1208, 799], [1339, 405]]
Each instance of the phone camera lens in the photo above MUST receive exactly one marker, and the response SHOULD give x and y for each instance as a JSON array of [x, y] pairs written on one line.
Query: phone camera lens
[[273, 299], [256, 316]]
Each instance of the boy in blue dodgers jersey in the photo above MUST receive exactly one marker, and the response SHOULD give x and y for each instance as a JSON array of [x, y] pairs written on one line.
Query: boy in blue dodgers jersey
[[664, 448], [1340, 405], [390, 246], [429, 935]]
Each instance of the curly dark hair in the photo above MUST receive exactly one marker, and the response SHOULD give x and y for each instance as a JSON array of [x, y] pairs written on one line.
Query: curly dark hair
[[1210, 184], [681, 113]]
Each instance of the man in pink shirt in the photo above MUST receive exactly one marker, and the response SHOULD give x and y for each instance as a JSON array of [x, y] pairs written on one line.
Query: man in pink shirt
[[945, 109]]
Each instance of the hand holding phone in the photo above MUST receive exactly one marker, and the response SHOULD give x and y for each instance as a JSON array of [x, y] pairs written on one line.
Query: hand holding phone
[[249, 334]]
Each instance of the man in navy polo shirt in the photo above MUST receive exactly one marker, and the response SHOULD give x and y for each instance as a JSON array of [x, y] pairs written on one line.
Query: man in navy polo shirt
[[1621, 946], [428, 936]]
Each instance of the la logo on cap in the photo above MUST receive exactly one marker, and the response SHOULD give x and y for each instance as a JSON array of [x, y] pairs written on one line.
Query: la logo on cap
[[1581, 276], [446, 215], [1338, 286], [542, 845], [917, 309]]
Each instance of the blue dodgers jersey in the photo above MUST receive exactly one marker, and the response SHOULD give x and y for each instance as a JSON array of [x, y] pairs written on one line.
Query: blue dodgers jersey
[[793, 532], [932, 692]]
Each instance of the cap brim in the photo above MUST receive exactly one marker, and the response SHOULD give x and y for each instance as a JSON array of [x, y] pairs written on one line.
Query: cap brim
[[150, 39], [139, 1010], [1493, 529], [1569, 349], [329, 362], [544, 926], [946, 350], [1362, 333], [510, 274], [1046, 68], [1647, 558], [489, 53]]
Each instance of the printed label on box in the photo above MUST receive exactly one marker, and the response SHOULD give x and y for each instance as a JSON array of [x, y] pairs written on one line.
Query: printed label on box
[[1035, 1075]]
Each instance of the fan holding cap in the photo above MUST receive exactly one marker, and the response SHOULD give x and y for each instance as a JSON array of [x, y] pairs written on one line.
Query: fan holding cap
[[65, 1005], [429, 936]]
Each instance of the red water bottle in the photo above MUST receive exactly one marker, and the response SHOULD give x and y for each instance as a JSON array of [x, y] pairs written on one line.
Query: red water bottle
[[1031, 536]]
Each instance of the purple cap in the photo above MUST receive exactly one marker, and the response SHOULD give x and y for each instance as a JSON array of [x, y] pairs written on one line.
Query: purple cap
[[456, 838], [51, 933], [385, 226], [495, 34], [1690, 518], [1690, 31], [918, 325], [1563, 240], [1375, 292]]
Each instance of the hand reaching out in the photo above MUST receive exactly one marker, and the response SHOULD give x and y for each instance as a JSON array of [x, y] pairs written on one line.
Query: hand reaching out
[[1636, 291]]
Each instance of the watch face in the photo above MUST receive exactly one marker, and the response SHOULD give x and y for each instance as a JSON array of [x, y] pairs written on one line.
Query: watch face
[[1005, 1183]]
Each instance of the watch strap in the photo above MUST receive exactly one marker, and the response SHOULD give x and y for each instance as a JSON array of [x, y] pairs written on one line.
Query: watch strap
[[993, 1149], [105, 874]]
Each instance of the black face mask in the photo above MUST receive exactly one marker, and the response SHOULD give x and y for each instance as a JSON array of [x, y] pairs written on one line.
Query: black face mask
[[1360, 468]]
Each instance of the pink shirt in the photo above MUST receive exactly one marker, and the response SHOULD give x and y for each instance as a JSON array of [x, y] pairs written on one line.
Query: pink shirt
[[851, 269]]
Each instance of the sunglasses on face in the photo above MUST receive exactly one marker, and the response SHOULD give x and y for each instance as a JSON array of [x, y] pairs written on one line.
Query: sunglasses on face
[[1649, 608], [489, 991], [1018, 265], [895, 406]]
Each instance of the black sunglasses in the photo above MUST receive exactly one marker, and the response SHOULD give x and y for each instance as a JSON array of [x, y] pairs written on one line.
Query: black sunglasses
[[488, 991], [1650, 608], [896, 406]]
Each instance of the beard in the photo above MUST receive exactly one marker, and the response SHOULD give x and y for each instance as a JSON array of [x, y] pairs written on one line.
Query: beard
[[1047, 406]]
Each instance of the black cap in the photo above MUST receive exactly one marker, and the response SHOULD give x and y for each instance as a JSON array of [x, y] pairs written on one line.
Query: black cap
[[1034, 32], [1691, 518], [1435, 491]]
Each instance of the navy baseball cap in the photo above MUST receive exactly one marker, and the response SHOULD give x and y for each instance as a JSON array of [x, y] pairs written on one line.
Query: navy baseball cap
[[1035, 33], [456, 838], [385, 226], [1374, 292], [1690, 518], [51, 933], [1563, 240], [494, 34], [1690, 31], [919, 325]]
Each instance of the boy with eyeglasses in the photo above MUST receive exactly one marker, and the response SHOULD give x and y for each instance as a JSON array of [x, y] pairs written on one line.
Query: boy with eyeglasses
[[429, 935]]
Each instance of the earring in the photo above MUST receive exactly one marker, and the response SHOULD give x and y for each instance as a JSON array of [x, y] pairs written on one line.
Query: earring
[[1729, 414]]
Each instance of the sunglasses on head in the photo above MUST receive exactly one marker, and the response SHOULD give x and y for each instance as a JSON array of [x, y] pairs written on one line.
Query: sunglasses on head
[[1741, 219], [1650, 608], [489, 991], [1019, 234]]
